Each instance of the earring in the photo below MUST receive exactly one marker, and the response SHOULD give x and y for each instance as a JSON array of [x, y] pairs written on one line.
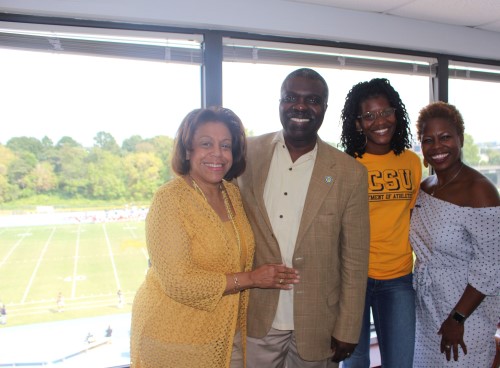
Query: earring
[[361, 134]]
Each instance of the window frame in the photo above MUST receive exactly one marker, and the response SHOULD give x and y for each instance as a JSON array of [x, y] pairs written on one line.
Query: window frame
[[215, 49]]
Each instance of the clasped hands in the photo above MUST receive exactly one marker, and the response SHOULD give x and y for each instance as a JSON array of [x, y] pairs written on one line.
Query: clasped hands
[[274, 276]]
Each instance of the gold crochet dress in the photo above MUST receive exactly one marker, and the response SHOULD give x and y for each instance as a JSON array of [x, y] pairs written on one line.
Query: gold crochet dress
[[180, 317]]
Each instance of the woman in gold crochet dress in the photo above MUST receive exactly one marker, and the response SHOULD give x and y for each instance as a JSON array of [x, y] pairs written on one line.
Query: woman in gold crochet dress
[[191, 309]]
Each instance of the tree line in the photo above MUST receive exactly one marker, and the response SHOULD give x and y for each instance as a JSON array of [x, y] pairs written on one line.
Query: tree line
[[106, 171]]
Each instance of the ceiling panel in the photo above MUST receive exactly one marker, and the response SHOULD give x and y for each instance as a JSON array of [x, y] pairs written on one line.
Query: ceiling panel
[[380, 6], [482, 14], [492, 26], [470, 13]]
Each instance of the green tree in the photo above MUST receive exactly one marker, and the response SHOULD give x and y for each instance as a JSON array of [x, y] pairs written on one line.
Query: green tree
[[7, 190], [48, 148], [67, 141], [106, 142], [163, 146], [249, 133], [142, 171], [130, 144], [71, 169], [6, 157], [47, 143], [42, 178], [493, 156], [26, 144], [105, 175], [19, 170], [470, 151], [145, 146]]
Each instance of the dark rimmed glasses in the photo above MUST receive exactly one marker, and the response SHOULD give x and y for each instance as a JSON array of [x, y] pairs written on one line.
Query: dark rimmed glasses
[[374, 115]]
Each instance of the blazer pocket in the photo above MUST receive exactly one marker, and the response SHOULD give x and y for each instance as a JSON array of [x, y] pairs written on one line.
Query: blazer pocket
[[330, 206]]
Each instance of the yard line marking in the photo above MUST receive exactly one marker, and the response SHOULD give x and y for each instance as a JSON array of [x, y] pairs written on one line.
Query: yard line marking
[[12, 249], [146, 255], [47, 307], [37, 265], [111, 256], [131, 230], [75, 263]]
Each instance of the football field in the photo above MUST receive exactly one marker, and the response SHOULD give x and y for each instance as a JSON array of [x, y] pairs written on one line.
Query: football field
[[87, 264]]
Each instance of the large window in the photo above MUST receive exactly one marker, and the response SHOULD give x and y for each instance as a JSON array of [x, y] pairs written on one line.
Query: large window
[[76, 83], [88, 120], [474, 90], [253, 73]]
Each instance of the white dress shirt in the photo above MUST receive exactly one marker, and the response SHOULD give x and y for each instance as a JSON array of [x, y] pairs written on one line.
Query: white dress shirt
[[284, 195]]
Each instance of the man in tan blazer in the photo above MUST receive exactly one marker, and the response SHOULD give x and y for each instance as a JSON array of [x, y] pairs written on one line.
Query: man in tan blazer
[[307, 203]]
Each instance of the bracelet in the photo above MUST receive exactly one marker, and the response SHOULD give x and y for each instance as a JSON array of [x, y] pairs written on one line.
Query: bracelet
[[236, 284]]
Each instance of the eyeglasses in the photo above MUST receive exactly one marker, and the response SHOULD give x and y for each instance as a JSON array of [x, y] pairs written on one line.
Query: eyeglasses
[[309, 100], [373, 115]]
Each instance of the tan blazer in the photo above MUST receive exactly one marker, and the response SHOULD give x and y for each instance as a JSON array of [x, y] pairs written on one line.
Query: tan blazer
[[331, 251]]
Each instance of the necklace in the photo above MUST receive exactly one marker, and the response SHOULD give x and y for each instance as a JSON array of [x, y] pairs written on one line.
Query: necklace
[[436, 188], [227, 205], [232, 217], [198, 189]]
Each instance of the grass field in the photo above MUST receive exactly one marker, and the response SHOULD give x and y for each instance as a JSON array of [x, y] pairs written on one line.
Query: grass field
[[87, 263]]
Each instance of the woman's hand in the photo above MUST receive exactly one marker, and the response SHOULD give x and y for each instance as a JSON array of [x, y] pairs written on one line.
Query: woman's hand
[[274, 276], [268, 276], [452, 334]]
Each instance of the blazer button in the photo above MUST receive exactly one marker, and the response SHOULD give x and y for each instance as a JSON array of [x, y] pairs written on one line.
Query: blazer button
[[298, 261]]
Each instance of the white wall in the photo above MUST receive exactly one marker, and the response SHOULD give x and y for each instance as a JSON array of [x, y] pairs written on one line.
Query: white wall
[[277, 17]]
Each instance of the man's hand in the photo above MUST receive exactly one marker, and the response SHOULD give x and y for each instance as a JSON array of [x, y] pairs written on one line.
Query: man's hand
[[341, 350]]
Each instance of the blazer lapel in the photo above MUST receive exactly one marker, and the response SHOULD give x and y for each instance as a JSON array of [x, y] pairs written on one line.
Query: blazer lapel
[[322, 181], [265, 150]]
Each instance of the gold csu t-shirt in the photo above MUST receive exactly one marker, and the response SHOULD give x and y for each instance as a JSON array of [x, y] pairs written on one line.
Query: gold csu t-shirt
[[393, 184]]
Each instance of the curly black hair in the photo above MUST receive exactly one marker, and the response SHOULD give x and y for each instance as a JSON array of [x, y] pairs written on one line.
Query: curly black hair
[[351, 140]]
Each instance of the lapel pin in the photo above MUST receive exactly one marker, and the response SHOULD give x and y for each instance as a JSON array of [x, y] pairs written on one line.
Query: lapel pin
[[328, 179]]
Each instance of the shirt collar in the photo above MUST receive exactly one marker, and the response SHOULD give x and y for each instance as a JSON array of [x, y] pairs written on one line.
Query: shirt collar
[[280, 139]]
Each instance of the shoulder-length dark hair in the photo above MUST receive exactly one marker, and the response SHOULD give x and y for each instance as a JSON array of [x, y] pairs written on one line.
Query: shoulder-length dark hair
[[196, 118], [354, 143]]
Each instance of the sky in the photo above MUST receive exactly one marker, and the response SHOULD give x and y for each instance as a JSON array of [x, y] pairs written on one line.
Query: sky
[[56, 95]]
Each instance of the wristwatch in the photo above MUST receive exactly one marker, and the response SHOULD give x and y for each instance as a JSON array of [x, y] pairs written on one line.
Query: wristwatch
[[457, 316]]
